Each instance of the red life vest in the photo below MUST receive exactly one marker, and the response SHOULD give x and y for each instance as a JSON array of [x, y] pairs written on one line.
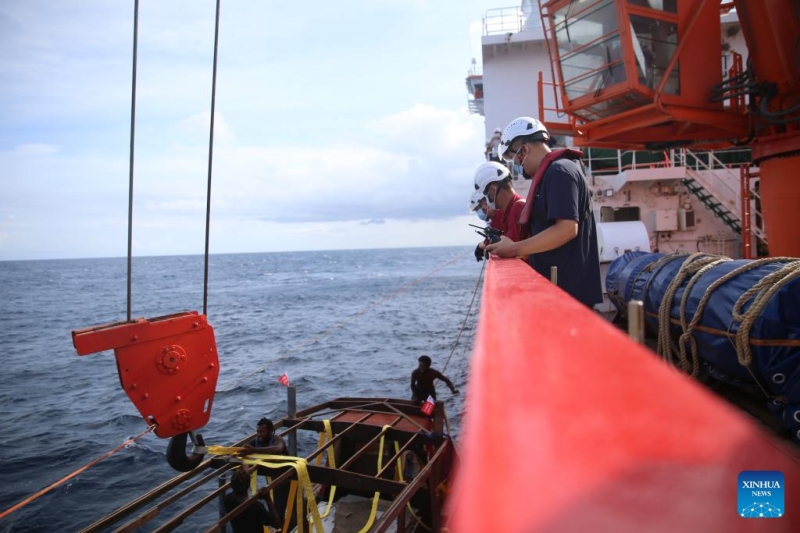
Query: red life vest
[[525, 216]]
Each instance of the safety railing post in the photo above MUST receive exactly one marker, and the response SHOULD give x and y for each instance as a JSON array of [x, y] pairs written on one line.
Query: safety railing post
[[636, 320], [747, 234], [291, 404], [221, 499]]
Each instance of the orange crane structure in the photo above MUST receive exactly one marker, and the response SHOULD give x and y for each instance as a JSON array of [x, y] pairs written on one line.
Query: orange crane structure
[[648, 74]]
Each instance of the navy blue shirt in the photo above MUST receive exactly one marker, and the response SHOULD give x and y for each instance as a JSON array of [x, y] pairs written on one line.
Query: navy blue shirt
[[564, 194]]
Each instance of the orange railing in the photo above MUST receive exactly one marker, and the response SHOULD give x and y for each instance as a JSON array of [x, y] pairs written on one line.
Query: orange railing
[[556, 128], [571, 426]]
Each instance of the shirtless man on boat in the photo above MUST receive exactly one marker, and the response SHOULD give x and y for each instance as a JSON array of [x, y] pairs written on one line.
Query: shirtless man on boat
[[270, 443], [422, 380], [266, 441]]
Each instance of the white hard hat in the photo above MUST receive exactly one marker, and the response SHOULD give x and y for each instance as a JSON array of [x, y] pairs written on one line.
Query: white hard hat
[[475, 201], [498, 130], [521, 127], [489, 173]]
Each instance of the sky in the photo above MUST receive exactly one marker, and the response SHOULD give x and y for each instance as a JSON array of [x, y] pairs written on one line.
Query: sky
[[338, 125]]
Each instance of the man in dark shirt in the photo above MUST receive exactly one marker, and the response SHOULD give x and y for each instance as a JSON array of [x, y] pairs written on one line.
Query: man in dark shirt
[[558, 212], [268, 442], [422, 379], [256, 516]]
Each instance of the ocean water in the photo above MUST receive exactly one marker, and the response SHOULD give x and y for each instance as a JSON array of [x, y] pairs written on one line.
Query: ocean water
[[339, 323]]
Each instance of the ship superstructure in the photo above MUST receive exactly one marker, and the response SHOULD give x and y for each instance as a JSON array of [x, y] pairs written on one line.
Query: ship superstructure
[[669, 199]]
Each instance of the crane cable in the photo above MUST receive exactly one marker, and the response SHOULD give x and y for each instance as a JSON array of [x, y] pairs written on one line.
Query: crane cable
[[341, 323], [131, 160], [464, 323], [210, 160], [130, 235]]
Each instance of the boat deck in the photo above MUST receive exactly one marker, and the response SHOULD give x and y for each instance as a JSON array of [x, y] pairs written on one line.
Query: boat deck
[[381, 446]]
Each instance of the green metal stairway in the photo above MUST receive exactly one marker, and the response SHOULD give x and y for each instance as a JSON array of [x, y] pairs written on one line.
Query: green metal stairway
[[719, 209]]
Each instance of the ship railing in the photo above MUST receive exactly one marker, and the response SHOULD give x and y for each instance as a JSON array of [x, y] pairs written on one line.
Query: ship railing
[[719, 178], [616, 163], [503, 20], [724, 182], [558, 122], [475, 106], [575, 401]]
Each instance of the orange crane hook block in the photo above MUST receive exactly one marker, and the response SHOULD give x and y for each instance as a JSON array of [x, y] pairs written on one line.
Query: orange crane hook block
[[168, 366]]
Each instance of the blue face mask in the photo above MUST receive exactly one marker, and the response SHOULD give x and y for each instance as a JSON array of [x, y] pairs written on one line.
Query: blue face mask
[[483, 216], [516, 170]]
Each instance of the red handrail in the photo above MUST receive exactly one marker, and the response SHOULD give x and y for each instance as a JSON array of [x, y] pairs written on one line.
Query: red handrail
[[570, 426]]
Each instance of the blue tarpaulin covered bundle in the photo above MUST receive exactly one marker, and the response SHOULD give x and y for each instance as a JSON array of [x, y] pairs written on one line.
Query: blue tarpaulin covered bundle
[[737, 321]]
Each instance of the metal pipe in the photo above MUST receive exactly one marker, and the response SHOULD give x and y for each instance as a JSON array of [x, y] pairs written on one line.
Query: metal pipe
[[676, 55], [291, 403], [554, 275], [636, 320], [222, 510], [356, 456]]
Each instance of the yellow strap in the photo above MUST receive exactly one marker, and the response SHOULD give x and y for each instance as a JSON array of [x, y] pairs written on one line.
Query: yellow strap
[[400, 478], [300, 466], [324, 437], [224, 450], [374, 512], [290, 505], [254, 489]]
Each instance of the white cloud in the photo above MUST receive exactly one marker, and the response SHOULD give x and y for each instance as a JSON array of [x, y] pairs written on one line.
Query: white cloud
[[197, 127], [33, 149], [344, 118], [415, 164]]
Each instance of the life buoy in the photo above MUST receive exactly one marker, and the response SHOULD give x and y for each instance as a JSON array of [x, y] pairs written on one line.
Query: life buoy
[[176, 453]]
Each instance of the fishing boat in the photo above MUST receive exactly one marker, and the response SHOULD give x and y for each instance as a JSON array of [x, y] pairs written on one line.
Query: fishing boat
[[380, 465]]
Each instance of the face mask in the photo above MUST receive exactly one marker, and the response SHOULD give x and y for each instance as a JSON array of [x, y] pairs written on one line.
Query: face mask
[[483, 216], [522, 166], [517, 170], [490, 201]]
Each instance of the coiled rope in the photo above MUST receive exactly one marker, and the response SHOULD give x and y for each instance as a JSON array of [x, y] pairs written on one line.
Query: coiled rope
[[655, 265], [687, 336], [341, 323], [759, 294], [666, 346]]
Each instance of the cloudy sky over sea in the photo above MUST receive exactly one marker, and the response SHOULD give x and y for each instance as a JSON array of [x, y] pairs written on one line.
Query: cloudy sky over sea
[[339, 125]]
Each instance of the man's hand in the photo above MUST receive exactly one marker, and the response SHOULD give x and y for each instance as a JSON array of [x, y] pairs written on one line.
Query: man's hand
[[504, 248], [479, 252], [246, 451]]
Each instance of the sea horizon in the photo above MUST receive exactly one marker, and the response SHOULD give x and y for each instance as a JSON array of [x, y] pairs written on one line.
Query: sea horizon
[[200, 254]]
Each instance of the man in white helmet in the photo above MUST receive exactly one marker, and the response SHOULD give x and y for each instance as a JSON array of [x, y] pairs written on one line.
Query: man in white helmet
[[558, 213], [480, 207], [494, 145], [494, 181]]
